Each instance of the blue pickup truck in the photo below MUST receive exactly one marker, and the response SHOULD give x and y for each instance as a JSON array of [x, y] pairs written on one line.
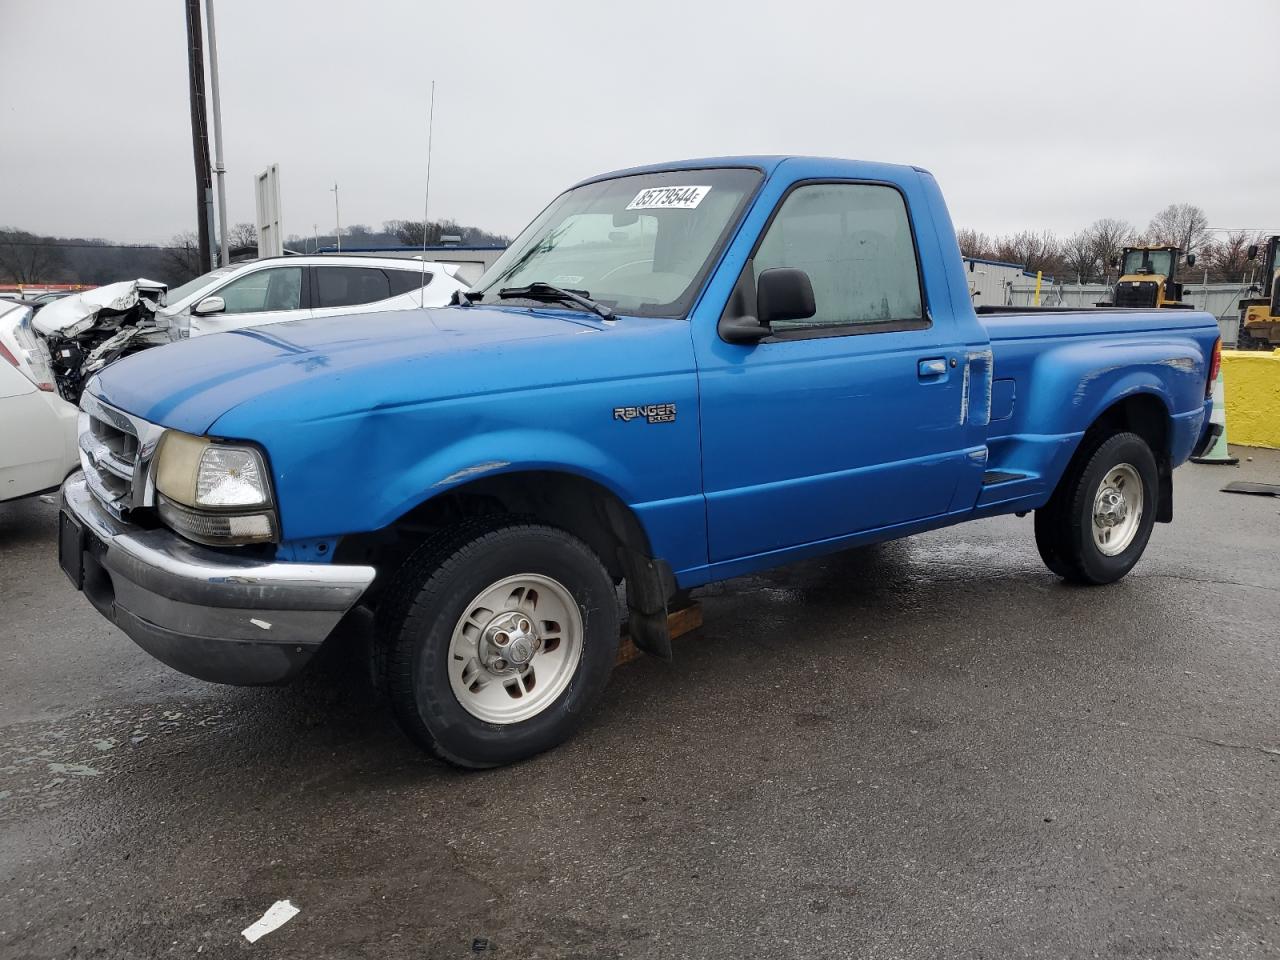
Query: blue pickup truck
[[676, 374]]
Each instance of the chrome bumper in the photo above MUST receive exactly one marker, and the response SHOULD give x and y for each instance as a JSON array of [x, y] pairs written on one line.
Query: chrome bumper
[[209, 614]]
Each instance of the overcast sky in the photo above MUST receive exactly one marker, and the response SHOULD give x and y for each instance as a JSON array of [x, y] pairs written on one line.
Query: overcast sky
[[1030, 114]]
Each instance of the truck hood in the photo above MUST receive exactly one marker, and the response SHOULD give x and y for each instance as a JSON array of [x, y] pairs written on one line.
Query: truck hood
[[342, 363]]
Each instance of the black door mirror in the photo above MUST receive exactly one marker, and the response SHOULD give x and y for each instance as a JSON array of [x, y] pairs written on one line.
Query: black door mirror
[[1191, 259], [784, 293], [1252, 253]]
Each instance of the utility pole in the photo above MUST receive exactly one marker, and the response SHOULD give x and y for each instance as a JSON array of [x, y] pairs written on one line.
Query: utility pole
[[219, 170], [199, 132], [337, 217]]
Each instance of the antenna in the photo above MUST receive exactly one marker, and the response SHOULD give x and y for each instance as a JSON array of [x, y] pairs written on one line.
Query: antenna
[[426, 198]]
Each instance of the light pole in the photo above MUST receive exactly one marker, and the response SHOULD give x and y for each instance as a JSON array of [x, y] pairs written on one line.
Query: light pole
[[337, 217], [218, 169]]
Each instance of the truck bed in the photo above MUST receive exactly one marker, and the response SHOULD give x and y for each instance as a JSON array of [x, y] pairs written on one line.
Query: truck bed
[[1056, 370]]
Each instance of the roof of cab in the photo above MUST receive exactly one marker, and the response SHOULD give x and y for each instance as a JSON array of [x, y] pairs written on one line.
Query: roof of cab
[[765, 163]]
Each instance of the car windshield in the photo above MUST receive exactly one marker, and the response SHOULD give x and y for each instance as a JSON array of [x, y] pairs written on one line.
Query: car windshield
[[640, 244], [177, 294], [1149, 261]]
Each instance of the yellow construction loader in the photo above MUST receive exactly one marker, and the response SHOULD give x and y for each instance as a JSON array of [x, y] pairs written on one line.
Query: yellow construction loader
[[1260, 315], [1148, 278]]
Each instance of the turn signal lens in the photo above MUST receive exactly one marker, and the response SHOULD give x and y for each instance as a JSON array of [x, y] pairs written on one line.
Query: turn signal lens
[[230, 477]]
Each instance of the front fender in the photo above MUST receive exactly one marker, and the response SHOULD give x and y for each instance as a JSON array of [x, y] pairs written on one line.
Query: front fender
[[489, 454]]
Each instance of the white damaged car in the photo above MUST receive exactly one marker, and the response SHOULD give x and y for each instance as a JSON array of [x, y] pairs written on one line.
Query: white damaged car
[[37, 426], [87, 331], [46, 356]]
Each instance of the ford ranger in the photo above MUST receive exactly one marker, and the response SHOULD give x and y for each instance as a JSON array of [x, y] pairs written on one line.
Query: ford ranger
[[676, 374]]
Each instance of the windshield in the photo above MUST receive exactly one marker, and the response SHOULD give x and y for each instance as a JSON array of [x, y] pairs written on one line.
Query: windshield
[[640, 244], [177, 294], [1149, 261]]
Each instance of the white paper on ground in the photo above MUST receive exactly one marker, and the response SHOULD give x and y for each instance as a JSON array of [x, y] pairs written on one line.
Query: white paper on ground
[[280, 913]]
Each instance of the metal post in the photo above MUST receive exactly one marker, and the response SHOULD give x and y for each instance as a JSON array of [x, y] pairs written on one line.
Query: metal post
[[199, 131], [337, 217], [218, 169], [208, 210]]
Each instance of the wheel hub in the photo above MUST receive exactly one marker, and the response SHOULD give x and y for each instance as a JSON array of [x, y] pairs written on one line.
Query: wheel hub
[[1112, 507], [508, 642], [515, 648], [1117, 509]]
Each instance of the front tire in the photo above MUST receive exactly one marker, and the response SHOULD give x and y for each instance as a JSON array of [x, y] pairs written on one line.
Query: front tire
[[499, 641], [1097, 524]]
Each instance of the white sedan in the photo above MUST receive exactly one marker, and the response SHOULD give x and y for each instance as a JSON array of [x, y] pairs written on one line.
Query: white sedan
[[290, 288], [258, 292], [37, 427], [45, 358]]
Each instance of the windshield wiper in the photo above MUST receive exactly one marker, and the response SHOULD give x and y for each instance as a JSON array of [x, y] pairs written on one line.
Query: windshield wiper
[[545, 291], [464, 298]]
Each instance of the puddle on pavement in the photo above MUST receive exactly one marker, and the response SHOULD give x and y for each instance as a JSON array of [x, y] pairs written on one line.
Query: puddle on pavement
[[44, 764]]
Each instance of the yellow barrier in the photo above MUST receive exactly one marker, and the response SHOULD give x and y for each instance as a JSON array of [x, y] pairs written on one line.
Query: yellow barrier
[[1253, 397]]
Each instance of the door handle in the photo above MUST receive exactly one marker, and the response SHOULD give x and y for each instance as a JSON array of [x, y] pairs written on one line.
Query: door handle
[[932, 368]]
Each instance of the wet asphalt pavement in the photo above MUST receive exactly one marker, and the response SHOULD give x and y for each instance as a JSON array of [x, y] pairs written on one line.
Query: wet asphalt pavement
[[926, 749]]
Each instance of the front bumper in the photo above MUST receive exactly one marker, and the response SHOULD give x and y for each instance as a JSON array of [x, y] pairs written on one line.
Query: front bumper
[[206, 613]]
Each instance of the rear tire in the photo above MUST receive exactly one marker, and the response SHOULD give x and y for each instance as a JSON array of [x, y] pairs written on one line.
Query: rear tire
[[498, 640], [1097, 524]]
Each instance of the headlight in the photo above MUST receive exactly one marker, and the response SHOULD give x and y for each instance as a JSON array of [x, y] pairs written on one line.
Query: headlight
[[211, 492]]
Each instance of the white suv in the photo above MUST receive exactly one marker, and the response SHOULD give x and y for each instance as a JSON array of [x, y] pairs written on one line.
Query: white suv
[[292, 288]]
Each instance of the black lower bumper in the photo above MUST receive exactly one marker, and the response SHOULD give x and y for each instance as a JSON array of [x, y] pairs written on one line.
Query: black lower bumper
[[211, 615]]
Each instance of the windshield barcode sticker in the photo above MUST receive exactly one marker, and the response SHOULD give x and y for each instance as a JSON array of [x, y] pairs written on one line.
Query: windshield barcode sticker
[[668, 198]]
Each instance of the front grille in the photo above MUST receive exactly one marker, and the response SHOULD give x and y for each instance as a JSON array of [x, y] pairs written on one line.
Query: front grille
[[1136, 293], [109, 456], [115, 450]]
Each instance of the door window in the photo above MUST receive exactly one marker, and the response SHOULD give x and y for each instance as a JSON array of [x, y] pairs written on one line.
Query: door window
[[854, 241], [350, 286], [276, 289]]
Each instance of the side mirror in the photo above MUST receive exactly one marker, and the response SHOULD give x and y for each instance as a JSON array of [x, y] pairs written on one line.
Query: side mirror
[[784, 293], [1252, 253], [209, 305], [1115, 263], [1191, 259]]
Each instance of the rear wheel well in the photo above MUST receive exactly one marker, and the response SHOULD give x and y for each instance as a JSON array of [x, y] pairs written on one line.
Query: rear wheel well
[[1146, 415]]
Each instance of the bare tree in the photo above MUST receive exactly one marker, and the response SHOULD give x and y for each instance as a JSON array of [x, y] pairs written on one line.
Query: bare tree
[[1110, 237], [26, 258], [409, 232], [973, 244], [1080, 256], [1227, 258], [243, 235], [1035, 251], [182, 256], [1183, 225]]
